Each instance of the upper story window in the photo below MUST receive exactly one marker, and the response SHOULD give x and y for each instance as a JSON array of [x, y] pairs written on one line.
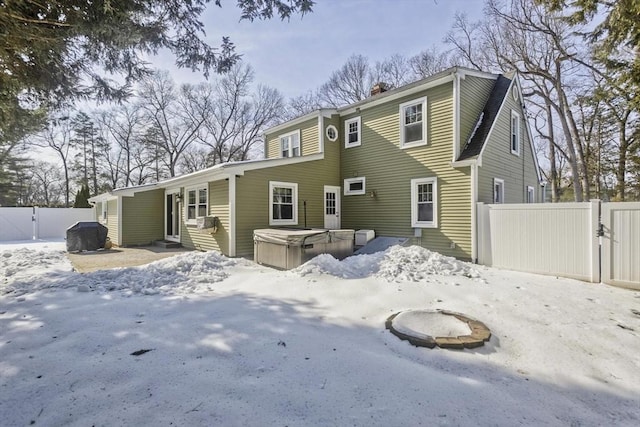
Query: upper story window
[[424, 202], [354, 186], [498, 190], [413, 123], [283, 203], [290, 144], [515, 133], [197, 203], [352, 133]]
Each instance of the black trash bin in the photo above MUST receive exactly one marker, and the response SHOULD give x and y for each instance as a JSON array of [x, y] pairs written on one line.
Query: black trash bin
[[86, 236]]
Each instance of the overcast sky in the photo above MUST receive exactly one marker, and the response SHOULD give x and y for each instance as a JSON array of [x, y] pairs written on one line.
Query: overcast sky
[[299, 55]]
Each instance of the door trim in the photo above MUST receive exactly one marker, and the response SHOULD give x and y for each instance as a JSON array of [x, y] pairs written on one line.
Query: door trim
[[336, 190], [176, 206]]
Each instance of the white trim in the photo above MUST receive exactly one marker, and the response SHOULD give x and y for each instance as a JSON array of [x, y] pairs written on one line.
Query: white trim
[[173, 237], [320, 134], [335, 129], [185, 202], [434, 80], [456, 116], [501, 196], [464, 163], [301, 119], [294, 195], [474, 213], [232, 215], [347, 122], [515, 115], [516, 81], [530, 190], [495, 121], [104, 214], [334, 189], [119, 210], [422, 101], [290, 147], [415, 223], [393, 95], [528, 129], [349, 181]]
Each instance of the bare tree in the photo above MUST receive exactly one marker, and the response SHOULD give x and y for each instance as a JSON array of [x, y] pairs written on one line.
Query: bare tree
[[395, 71], [429, 62], [171, 114], [46, 183], [351, 83], [124, 125], [303, 104], [57, 137], [541, 47], [234, 115]]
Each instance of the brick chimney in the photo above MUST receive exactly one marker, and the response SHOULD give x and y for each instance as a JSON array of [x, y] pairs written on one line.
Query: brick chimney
[[378, 88]]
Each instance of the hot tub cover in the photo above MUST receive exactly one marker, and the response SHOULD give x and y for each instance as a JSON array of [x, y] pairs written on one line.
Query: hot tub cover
[[86, 236], [297, 237]]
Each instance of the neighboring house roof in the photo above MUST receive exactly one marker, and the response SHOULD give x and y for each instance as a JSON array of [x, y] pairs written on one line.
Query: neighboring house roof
[[487, 118]]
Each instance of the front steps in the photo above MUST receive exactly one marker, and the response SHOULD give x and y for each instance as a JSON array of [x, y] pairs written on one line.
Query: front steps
[[167, 244]]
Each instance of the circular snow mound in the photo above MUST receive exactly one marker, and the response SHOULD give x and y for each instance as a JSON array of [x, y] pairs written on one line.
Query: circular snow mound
[[442, 328]]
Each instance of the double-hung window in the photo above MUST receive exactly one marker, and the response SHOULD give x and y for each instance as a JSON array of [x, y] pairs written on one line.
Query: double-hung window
[[197, 203], [283, 203], [290, 144], [352, 132], [498, 190], [424, 203], [413, 123], [515, 133]]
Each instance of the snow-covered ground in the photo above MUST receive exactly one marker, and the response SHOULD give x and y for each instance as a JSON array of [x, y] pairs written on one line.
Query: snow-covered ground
[[232, 343]]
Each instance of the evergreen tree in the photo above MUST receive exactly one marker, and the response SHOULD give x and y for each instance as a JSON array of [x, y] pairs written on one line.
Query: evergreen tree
[[55, 52], [82, 197]]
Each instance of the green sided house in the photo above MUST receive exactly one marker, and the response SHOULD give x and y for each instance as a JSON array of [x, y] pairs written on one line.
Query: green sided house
[[409, 162]]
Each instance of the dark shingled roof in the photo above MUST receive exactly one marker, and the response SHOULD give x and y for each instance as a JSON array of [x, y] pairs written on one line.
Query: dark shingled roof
[[489, 114]]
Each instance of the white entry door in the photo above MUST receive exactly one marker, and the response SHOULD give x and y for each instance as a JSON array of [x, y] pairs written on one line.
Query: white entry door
[[172, 216], [331, 207]]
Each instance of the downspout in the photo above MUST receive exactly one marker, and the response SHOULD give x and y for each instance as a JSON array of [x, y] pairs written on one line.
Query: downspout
[[474, 213], [232, 215]]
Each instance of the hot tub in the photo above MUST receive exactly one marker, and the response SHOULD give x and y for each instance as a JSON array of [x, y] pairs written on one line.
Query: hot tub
[[289, 248]]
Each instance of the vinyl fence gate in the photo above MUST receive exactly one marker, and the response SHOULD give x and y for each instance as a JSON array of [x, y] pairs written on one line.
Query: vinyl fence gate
[[591, 241]]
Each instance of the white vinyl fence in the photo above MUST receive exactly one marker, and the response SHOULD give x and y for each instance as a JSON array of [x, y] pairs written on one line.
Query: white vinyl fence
[[40, 223], [563, 239]]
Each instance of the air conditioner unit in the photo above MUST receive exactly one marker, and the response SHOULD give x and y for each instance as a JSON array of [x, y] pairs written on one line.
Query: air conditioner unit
[[207, 224]]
